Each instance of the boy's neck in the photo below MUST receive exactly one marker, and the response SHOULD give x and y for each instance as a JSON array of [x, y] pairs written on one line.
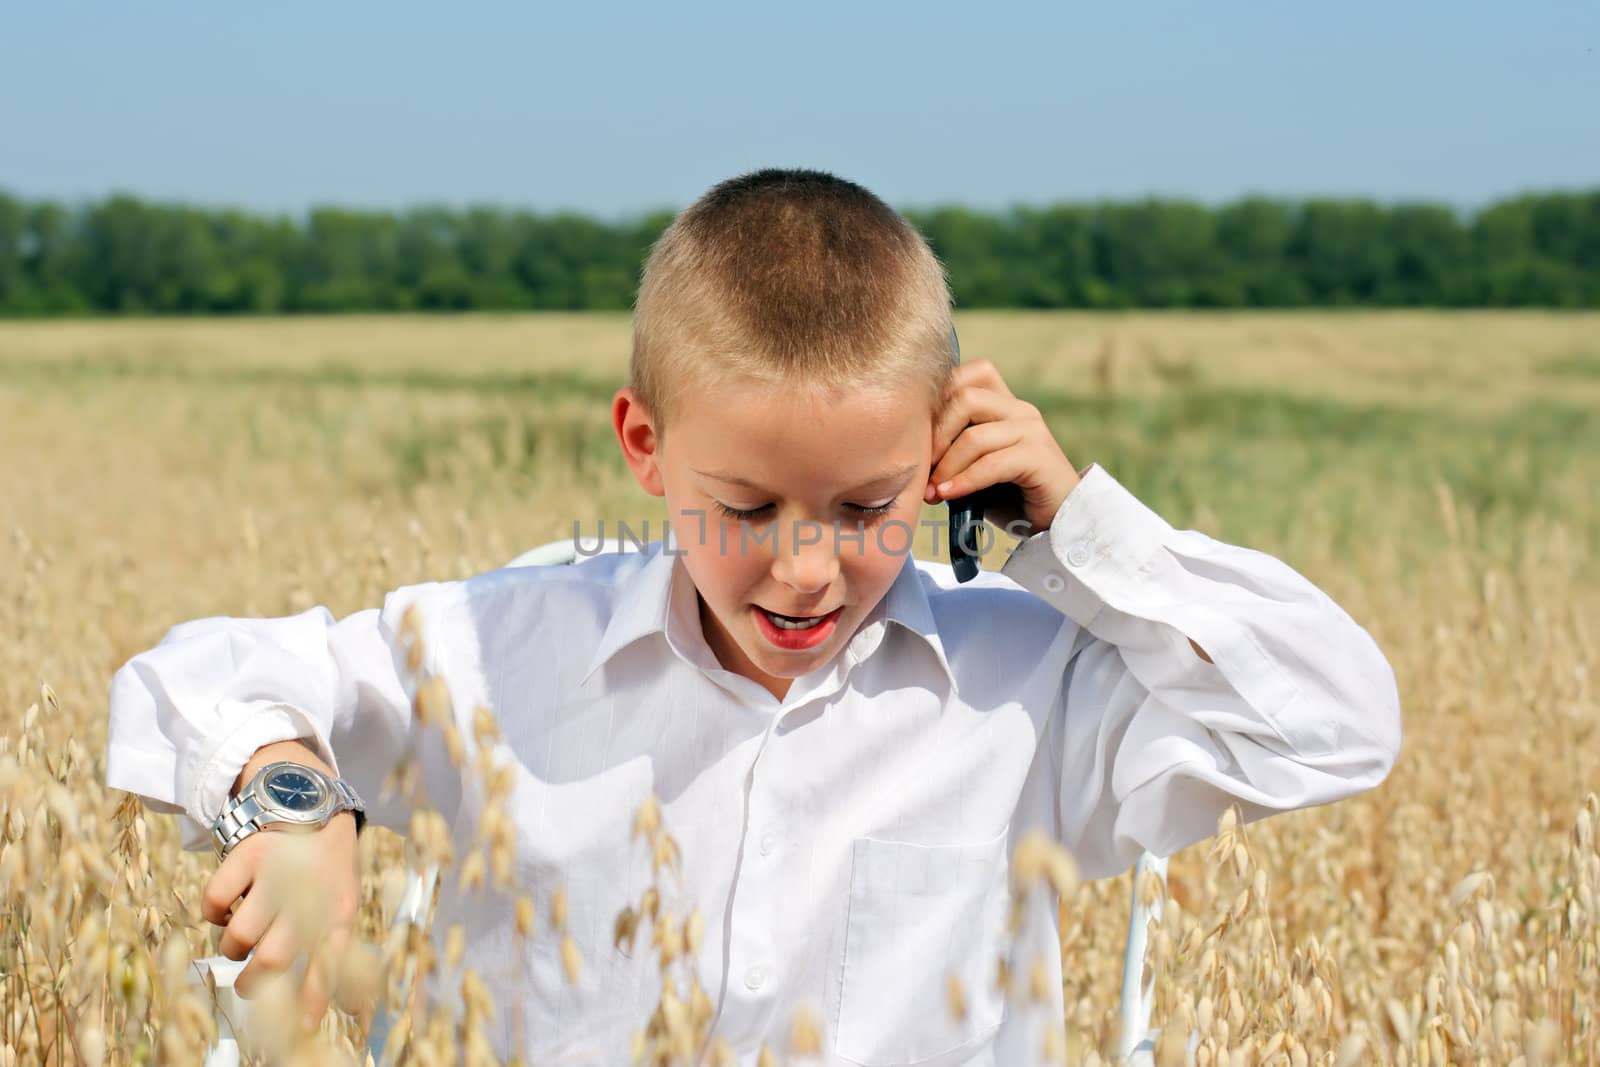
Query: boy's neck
[[732, 657]]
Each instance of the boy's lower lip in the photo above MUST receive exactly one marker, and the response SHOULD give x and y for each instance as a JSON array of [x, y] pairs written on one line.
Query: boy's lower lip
[[796, 640]]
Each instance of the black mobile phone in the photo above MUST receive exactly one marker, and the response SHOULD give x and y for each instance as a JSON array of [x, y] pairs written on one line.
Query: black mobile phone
[[966, 512]]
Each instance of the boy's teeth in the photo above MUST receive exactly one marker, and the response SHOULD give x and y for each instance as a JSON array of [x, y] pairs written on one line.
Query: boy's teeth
[[784, 622]]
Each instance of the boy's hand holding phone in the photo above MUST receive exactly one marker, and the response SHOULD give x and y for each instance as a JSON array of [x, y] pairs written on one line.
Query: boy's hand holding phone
[[987, 437], [262, 869]]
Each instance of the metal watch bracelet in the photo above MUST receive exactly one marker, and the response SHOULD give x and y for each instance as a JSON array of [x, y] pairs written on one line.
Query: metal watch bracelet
[[238, 822]]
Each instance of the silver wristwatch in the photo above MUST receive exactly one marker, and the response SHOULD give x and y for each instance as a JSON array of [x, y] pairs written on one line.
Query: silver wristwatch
[[284, 796]]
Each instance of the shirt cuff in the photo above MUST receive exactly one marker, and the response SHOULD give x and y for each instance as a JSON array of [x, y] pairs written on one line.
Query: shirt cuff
[[244, 727], [1102, 538]]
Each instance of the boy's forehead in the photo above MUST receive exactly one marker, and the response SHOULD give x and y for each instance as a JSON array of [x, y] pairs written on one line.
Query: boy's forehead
[[774, 441], [901, 405]]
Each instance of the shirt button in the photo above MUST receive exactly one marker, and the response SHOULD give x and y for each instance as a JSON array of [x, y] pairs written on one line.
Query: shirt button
[[1078, 554], [755, 977], [769, 841], [1053, 582]]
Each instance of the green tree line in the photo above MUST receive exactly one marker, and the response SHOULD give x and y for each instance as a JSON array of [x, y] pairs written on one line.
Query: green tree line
[[126, 255]]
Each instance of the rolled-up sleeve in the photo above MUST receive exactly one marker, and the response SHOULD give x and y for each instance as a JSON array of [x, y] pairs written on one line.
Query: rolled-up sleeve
[[1298, 707], [187, 715]]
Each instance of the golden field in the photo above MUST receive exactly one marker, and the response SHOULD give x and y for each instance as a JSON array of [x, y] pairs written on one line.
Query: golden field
[[1435, 473]]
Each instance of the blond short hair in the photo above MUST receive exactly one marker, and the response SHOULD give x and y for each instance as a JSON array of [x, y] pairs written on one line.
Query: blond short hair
[[791, 278]]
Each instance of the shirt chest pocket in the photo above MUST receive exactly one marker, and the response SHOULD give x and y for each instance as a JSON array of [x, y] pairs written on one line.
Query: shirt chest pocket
[[918, 915]]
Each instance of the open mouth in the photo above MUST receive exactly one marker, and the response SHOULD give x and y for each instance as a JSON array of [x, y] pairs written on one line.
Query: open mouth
[[797, 622], [795, 633]]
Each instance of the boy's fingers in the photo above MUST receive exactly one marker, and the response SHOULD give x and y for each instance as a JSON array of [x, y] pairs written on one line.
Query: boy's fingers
[[275, 952], [314, 991], [245, 930], [984, 372], [226, 884], [979, 440], [991, 468], [325, 975], [971, 407]]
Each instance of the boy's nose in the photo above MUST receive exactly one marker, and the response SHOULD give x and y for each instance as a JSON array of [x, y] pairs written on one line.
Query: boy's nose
[[806, 564]]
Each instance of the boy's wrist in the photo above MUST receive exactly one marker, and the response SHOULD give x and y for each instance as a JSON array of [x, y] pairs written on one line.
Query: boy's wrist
[[297, 751], [1101, 535], [240, 742], [285, 794]]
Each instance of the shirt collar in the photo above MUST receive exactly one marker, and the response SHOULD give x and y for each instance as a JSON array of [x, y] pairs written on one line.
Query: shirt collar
[[642, 606], [658, 596], [905, 603]]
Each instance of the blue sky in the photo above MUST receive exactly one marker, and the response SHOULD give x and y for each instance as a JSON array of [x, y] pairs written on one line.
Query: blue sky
[[611, 109]]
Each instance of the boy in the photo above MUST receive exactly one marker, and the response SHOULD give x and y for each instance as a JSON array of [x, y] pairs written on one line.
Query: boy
[[846, 747]]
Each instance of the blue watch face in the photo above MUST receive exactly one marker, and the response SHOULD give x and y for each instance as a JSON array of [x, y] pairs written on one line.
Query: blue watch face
[[293, 790]]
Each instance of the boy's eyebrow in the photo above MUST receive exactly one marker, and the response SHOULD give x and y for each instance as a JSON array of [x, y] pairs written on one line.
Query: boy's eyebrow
[[729, 476]]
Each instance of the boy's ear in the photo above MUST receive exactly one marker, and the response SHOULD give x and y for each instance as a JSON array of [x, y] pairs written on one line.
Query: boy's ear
[[636, 433]]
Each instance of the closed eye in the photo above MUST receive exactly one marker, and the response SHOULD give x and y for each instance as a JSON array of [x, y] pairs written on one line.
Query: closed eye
[[743, 514], [874, 512]]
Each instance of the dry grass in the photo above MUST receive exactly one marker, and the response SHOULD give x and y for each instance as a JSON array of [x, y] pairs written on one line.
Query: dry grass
[[1435, 474]]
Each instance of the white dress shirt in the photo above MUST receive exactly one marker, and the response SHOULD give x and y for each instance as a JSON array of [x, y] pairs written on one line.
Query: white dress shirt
[[847, 845]]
